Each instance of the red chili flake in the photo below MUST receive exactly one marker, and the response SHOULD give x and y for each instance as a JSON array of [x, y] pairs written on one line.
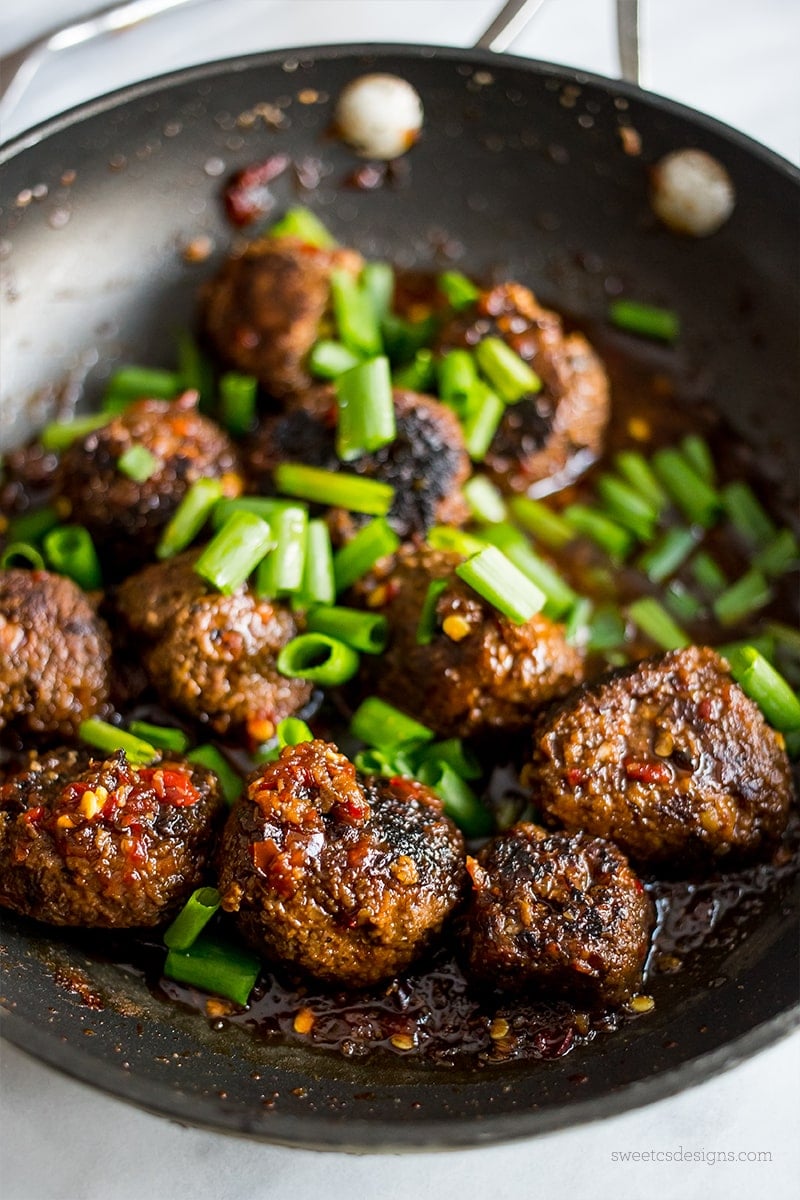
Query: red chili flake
[[171, 786], [270, 862], [576, 776], [353, 810], [705, 709], [247, 196], [33, 814], [647, 772]]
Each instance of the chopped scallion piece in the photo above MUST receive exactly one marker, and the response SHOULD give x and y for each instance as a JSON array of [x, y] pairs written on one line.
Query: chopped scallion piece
[[764, 644], [780, 555], [281, 570], [234, 552], [545, 525], [707, 574], [447, 537], [380, 724], [607, 534], [69, 549], [402, 339], [494, 577], [359, 555], [136, 383], [195, 372], [366, 419], [426, 627], [329, 359], [59, 435], [667, 554], [266, 507], [32, 526], [457, 289], [750, 593], [606, 629], [189, 517], [767, 688], [699, 502], [192, 919], [662, 324], [697, 453], [377, 280], [319, 585], [639, 474], [237, 399], [747, 514], [374, 762], [454, 754], [682, 603], [457, 375], [510, 376], [656, 623], [484, 500], [559, 595], [355, 317], [138, 463], [365, 631], [459, 801], [210, 757], [21, 555], [484, 413], [577, 630], [627, 506], [304, 225], [163, 737], [214, 966], [109, 739], [353, 492], [419, 375], [322, 659]]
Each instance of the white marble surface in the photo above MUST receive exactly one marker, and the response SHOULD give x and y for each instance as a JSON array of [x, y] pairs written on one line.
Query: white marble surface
[[62, 1141]]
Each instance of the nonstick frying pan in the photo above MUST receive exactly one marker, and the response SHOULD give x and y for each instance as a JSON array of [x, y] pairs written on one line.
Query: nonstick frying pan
[[98, 207]]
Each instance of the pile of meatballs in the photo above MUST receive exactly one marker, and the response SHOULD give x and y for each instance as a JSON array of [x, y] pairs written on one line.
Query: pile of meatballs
[[666, 765]]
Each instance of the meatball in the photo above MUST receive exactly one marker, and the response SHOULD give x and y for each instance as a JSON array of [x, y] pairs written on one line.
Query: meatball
[[126, 517], [670, 759], [480, 671], [99, 843], [262, 312], [54, 655], [212, 656], [345, 877], [558, 913], [426, 464], [554, 434]]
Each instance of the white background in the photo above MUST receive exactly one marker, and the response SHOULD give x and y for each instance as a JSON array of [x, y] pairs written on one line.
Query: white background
[[735, 59]]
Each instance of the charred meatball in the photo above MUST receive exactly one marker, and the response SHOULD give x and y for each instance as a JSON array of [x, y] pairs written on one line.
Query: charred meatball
[[212, 656], [54, 655], [565, 915], [343, 876], [426, 464], [480, 671], [262, 312], [670, 759], [553, 434], [126, 517], [103, 844]]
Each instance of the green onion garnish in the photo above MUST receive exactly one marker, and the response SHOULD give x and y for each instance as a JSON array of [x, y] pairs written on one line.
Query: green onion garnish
[[576, 629], [319, 658], [682, 603], [319, 584], [234, 552], [698, 501], [607, 534], [697, 453], [426, 627], [138, 463], [230, 781], [667, 554], [292, 731], [110, 738], [366, 418], [661, 324], [329, 359], [767, 688], [189, 517], [484, 500], [510, 376], [21, 555], [215, 966], [237, 402], [377, 280], [375, 762], [606, 629], [195, 371], [380, 724], [59, 435], [303, 224], [780, 555], [747, 514], [163, 737], [366, 631], [459, 291], [656, 623], [192, 919], [750, 593], [447, 537], [355, 317], [32, 526], [419, 375], [764, 644], [627, 506], [484, 413], [453, 753], [282, 569], [370, 544], [135, 383], [459, 801], [337, 488], [457, 376], [637, 471], [402, 339], [69, 549], [545, 525], [707, 574], [266, 507], [559, 595], [494, 577]]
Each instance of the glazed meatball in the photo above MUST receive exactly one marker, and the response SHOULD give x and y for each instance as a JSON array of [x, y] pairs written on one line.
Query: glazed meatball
[[54, 655], [480, 671], [556, 433], [670, 759], [426, 464], [99, 843], [561, 914], [262, 312], [125, 517], [211, 655], [345, 877]]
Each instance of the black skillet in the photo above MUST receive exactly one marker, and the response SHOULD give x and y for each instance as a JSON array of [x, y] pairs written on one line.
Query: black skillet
[[97, 208]]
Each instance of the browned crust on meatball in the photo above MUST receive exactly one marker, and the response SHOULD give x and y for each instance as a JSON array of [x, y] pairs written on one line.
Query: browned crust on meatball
[[54, 655], [480, 671], [98, 843], [670, 759], [345, 877], [262, 311], [564, 915]]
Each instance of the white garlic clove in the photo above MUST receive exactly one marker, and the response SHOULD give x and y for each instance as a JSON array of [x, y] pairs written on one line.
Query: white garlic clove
[[380, 116]]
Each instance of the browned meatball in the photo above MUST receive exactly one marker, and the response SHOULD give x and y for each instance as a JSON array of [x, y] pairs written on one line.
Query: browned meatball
[[263, 310], [563, 915], [346, 877], [670, 759], [480, 670], [426, 464], [212, 656], [100, 843], [556, 433], [124, 517], [54, 655]]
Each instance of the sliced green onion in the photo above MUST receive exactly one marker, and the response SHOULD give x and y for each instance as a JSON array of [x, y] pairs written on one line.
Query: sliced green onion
[[189, 517], [426, 628], [163, 737], [366, 419], [682, 603], [750, 593], [237, 400], [778, 556], [215, 966], [136, 383], [230, 781], [266, 507], [747, 514], [510, 376], [627, 506], [318, 657], [447, 537], [647, 320], [192, 919], [457, 289], [698, 501], [338, 488], [667, 554], [484, 500], [21, 555], [559, 595], [59, 435], [375, 762], [32, 526], [605, 533], [109, 738], [380, 724], [656, 623], [292, 731], [634, 467], [138, 463], [576, 630], [69, 549], [767, 688], [402, 339], [494, 577], [606, 629], [698, 454], [457, 376], [355, 317], [453, 753], [329, 359], [764, 644], [370, 544], [304, 225], [485, 411], [545, 525], [786, 636], [707, 574], [319, 584], [194, 371], [377, 280], [281, 570], [460, 802], [234, 552], [366, 631], [419, 375]]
